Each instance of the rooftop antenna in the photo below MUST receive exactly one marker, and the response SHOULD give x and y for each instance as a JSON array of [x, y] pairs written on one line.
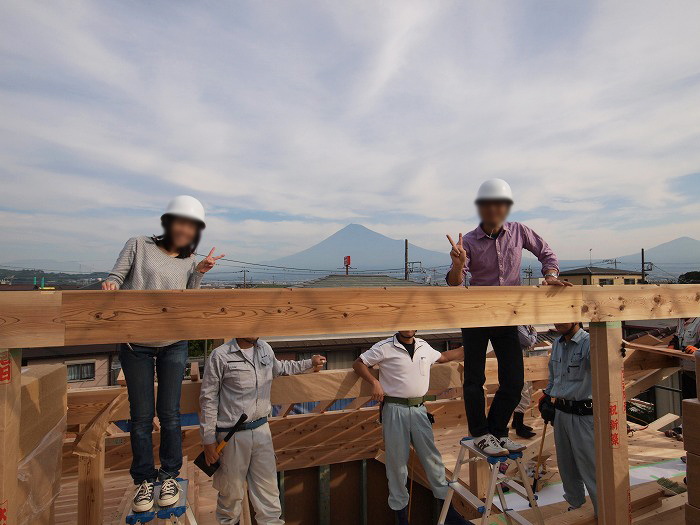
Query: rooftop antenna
[[590, 257]]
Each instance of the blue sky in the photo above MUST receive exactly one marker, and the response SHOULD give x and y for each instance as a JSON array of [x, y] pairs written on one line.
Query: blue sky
[[290, 120]]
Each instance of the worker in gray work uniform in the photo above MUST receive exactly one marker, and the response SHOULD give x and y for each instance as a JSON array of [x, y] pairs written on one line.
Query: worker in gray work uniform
[[237, 380], [568, 397], [404, 377]]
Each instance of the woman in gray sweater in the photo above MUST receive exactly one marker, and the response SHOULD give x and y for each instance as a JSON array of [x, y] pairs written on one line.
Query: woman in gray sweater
[[164, 262]]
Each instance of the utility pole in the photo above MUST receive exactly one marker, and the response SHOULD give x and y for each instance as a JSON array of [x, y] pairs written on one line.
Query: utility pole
[[406, 261], [590, 257], [528, 273], [644, 279], [244, 282]]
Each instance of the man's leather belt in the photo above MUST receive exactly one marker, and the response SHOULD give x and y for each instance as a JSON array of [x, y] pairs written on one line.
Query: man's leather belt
[[578, 408], [407, 401], [245, 426]]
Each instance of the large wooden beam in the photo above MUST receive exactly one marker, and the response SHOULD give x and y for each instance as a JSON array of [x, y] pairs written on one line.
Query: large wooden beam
[[10, 412], [30, 319], [609, 408]]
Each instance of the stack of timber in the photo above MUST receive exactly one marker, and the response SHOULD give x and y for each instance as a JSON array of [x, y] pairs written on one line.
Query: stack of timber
[[41, 431]]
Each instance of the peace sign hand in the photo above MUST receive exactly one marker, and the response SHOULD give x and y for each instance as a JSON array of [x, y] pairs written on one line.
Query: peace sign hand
[[209, 261], [458, 253]]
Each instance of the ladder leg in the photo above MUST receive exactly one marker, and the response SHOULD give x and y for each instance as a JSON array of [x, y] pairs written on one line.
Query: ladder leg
[[528, 490], [450, 490], [493, 481], [504, 504]]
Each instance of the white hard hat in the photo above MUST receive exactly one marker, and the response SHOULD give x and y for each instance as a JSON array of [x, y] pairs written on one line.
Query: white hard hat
[[495, 190], [186, 206]]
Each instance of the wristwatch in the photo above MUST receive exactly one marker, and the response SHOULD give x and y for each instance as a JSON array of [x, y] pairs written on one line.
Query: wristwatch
[[551, 274]]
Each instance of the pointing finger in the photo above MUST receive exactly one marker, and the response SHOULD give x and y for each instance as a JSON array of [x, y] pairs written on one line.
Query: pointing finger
[[459, 241], [211, 252], [452, 242]]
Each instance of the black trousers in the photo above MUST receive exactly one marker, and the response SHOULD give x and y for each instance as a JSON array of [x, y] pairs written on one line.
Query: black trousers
[[511, 378]]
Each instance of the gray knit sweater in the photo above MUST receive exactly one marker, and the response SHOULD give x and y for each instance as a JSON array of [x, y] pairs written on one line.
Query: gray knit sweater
[[142, 265]]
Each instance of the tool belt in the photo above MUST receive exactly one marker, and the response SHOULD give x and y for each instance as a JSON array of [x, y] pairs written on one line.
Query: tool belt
[[245, 426], [407, 401], [578, 408]]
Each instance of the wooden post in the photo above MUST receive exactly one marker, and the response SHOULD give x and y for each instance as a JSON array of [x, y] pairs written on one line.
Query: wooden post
[[10, 408], [609, 408], [91, 473]]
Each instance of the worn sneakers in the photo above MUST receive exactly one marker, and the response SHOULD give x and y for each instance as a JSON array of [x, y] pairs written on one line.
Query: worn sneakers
[[489, 445], [143, 500], [511, 446], [169, 492]]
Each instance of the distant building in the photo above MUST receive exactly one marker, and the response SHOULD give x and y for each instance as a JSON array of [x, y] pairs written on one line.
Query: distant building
[[602, 276]]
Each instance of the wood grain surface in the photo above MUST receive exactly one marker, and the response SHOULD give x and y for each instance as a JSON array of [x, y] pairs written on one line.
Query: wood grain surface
[[31, 319]]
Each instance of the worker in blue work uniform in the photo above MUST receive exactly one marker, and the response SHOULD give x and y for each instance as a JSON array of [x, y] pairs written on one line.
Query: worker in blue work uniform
[[567, 404]]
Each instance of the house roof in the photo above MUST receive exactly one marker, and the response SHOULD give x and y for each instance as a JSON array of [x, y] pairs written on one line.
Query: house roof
[[343, 281], [597, 270]]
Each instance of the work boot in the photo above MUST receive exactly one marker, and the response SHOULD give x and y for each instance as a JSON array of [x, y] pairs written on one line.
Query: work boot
[[453, 517], [402, 516], [521, 429]]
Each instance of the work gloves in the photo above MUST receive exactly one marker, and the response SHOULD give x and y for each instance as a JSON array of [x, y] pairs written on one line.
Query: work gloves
[[547, 410], [690, 349]]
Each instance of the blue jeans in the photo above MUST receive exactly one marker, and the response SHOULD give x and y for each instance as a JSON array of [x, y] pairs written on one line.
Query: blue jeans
[[139, 364]]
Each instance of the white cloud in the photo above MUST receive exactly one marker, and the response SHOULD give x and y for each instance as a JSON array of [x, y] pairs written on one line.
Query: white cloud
[[290, 120]]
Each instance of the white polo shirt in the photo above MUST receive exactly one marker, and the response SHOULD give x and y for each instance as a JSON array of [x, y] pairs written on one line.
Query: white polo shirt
[[399, 375]]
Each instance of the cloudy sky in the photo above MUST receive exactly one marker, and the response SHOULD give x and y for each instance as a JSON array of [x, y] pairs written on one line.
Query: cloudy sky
[[290, 120]]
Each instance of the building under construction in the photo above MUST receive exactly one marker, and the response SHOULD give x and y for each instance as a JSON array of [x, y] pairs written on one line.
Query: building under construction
[[65, 460]]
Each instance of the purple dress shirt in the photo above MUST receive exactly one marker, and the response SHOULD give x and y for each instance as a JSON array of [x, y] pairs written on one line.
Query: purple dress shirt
[[496, 262]]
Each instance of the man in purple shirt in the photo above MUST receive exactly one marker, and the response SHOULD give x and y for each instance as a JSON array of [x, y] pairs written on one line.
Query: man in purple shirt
[[492, 254]]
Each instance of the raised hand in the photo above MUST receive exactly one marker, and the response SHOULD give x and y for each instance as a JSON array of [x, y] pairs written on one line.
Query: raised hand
[[458, 253], [209, 261]]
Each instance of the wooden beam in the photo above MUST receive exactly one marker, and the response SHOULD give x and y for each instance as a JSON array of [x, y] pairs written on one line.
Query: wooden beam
[[661, 350], [90, 441], [637, 386], [84, 317], [10, 413], [194, 371], [609, 411], [663, 421], [668, 506], [91, 472]]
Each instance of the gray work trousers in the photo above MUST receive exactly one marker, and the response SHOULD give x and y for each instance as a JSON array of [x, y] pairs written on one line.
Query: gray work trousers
[[525, 398], [575, 442], [249, 456], [403, 425]]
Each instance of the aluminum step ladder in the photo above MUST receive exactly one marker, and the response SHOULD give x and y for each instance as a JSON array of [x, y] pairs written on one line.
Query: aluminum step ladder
[[496, 478], [179, 513]]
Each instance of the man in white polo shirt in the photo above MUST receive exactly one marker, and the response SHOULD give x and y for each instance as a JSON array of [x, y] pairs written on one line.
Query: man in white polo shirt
[[404, 377]]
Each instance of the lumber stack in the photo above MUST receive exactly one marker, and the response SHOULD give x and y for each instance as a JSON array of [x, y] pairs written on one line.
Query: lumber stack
[[691, 439], [42, 429]]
